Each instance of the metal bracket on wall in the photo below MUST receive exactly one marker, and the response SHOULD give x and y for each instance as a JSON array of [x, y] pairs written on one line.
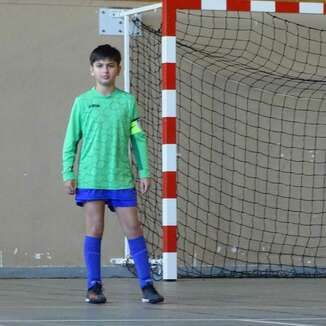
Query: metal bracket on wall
[[111, 22]]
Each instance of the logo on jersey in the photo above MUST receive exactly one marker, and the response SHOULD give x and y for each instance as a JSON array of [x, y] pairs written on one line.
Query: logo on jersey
[[94, 106]]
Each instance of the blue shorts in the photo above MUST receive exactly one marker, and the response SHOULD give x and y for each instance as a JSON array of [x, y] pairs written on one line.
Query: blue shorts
[[113, 198]]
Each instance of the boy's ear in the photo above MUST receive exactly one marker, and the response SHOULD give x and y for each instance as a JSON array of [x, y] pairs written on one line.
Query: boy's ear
[[91, 70]]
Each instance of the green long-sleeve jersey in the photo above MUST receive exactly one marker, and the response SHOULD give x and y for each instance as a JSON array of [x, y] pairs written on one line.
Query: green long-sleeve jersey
[[104, 124]]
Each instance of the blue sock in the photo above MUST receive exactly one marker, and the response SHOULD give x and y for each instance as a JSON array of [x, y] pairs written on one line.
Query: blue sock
[[92, 256], [139, 254]]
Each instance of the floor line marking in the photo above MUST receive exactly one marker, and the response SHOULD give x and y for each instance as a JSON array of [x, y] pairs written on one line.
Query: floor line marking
[[277, 321], [259, 321]]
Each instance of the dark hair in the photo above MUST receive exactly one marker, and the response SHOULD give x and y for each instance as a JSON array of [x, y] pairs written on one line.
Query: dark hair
[[105, 51]]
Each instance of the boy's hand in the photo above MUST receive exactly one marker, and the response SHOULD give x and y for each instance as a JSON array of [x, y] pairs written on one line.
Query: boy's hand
[[70, 187], [144, 185]]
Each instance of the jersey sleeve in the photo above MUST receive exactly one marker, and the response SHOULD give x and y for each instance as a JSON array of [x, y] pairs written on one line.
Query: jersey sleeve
[[139, 144], [72, 138], [134, 110]]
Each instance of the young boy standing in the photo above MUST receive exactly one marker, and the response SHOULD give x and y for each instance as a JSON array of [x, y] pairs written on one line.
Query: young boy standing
[[105, 118]]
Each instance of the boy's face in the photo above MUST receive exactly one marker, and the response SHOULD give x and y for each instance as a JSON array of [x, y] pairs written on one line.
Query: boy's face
[[105, 72]]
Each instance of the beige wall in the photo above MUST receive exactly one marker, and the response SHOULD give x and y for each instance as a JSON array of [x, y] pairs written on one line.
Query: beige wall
[[44, 65]]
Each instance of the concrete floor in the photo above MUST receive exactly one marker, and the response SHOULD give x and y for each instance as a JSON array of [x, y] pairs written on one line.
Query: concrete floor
[[229, 302]]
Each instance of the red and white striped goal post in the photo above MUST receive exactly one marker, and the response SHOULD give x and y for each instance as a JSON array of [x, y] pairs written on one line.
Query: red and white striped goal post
[[169, 136]]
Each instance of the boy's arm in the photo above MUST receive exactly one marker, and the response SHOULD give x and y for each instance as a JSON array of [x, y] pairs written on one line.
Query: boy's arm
[[73, 135], [139, 147]]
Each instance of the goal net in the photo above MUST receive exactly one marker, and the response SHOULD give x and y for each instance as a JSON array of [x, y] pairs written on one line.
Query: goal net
[[251, 139]]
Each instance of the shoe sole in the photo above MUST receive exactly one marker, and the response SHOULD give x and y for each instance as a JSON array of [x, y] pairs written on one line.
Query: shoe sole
[[94, 302], [152, 301]]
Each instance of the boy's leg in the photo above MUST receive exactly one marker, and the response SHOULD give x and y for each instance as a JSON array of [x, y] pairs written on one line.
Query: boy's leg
[[128, 218], [94, 211]]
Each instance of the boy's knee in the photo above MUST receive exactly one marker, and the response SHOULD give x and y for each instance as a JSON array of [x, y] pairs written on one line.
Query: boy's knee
[[133, 231], [95, 231], [95, 226]]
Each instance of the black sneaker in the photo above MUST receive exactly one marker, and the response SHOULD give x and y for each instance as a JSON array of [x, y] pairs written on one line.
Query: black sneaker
[[95, 294], [150, 295]]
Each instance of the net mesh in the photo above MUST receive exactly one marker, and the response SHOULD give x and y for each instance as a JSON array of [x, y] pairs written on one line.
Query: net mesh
[[251, 118]]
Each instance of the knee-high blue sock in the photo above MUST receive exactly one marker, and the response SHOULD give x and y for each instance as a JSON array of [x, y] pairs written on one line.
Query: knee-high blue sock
[[139, 254], [92, 255]]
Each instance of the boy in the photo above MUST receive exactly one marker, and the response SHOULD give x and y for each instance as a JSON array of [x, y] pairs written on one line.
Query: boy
[[106, 118]]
